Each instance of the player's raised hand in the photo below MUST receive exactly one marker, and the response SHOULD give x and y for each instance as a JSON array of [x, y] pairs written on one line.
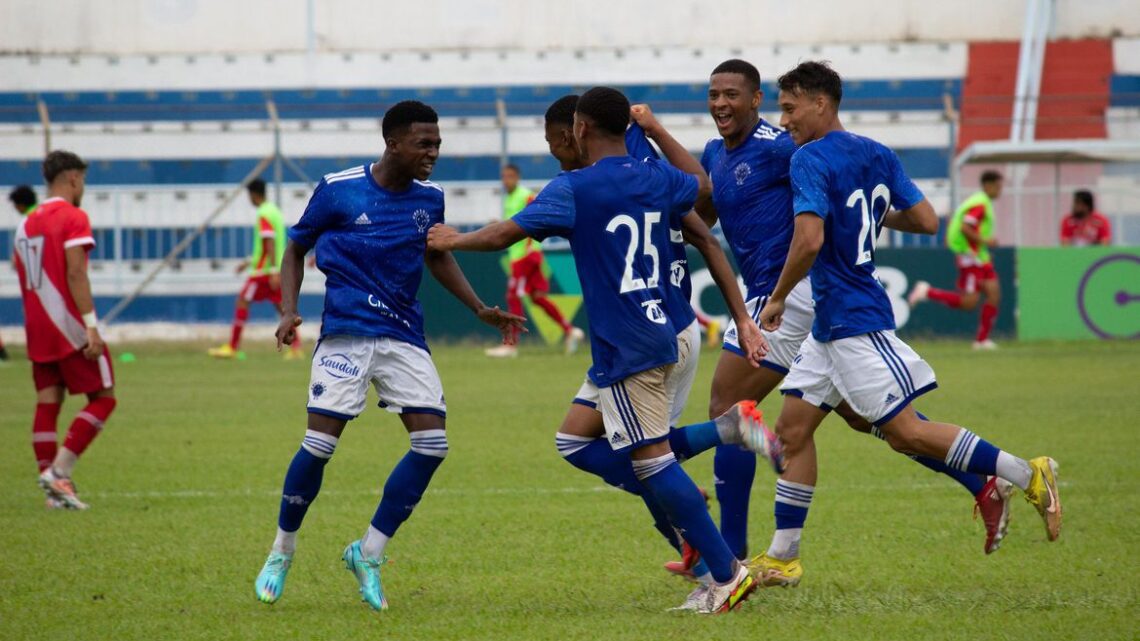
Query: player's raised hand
[[643, 116], [752, 343], [287, 329], [772, 315], [95, 345], [509, 325], [442, 237]]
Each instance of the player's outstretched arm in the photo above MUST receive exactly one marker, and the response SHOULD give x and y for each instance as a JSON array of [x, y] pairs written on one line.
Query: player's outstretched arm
[[446, 270], [806, 242], [80, 287], [697, 234], [493, 237], [674, 152], [292, 272], [919, 219]]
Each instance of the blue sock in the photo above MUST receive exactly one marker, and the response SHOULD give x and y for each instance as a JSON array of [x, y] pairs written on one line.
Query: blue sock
[[303, 479], [734, 468], [972, 482], [675, 491], [409, 479], [791, 510], [690, 440], [594, 455], [969, 453]]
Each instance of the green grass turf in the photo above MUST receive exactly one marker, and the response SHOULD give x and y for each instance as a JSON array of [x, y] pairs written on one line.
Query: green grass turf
[[512, 543]]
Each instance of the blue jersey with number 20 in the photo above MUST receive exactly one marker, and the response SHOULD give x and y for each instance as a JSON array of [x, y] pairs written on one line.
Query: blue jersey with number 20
[[617, 214], [851, 182]]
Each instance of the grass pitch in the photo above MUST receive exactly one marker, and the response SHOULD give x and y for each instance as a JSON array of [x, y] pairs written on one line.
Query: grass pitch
[[512, 543]]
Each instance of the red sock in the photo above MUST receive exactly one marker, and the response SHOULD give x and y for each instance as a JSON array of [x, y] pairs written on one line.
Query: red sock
[[946, 297], [986, 322], [514, 303], [241, 314], [88, 423], [296, 346], [43, 433], [552, 311]]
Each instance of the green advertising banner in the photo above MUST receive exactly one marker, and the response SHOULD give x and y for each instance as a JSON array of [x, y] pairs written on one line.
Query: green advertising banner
[[1079, 293], [899, 269]]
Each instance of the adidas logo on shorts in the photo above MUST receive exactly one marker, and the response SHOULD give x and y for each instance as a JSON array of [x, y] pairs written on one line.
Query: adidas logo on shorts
[[617, 438], [362, 219], [891, 398]]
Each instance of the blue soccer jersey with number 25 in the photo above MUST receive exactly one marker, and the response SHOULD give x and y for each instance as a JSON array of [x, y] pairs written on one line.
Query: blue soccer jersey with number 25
[[617, 214]]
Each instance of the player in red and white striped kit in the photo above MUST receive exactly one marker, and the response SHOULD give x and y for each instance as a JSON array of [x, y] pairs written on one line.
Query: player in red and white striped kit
[[64, 345]]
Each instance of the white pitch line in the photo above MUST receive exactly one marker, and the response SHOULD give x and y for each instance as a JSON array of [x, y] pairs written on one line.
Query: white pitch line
[[490, 491]]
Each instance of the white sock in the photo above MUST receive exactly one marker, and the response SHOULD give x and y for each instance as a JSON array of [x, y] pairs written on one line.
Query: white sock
[[1013, 469], [64, 463], [785, 544], [285, 543], [373, 544]]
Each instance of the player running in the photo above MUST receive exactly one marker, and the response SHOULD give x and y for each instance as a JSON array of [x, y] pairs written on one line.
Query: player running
[[752, 199], [264, 264], [527, 276], [845, 187], [970, 236], [64, 345], [617, 214], [369, 227], [579, 437]]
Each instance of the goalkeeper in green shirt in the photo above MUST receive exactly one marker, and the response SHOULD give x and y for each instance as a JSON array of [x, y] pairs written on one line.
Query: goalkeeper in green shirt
[[527, 277], [264, 265]]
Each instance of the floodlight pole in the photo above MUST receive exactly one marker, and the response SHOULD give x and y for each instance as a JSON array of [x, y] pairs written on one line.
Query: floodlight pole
[[278, 169]]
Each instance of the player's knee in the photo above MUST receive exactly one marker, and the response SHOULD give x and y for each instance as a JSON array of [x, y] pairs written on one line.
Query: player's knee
[[900, 436], [969, 301], [429, 442], [793, 435]]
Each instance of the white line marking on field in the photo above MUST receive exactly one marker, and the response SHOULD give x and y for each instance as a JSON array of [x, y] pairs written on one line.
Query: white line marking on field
[[488, 491]]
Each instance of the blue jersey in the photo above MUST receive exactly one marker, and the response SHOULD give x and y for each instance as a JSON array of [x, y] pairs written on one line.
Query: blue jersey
[[617, 214], [851, 182], [753, 198], [370, 245], [679, 308]]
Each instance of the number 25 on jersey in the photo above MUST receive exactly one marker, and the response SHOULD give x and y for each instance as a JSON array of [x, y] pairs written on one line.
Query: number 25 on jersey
[[630, 283]]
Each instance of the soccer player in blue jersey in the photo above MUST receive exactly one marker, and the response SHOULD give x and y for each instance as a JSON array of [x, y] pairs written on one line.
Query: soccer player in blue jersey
[[845, 189], [617, 213], [578, 438], [369, 226], [752, 198]]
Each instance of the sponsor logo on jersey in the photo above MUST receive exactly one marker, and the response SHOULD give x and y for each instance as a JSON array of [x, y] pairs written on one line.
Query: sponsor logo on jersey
[[339, 366], [677, 272], [741, 172], [420, 218], [654, 312]]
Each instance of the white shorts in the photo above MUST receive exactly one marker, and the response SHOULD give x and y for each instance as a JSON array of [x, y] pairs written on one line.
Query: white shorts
[[634, 410], [404, 377], [877, 374], [784, 343]]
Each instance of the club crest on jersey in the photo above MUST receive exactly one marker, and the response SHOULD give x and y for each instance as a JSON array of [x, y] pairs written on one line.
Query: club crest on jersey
[[654, 312], [339, 366], [421, 219], [317, 390], [677, 272], [742, 172]]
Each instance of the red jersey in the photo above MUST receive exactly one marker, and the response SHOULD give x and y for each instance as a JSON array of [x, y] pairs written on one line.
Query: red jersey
[[1093, 229], [54, 326]]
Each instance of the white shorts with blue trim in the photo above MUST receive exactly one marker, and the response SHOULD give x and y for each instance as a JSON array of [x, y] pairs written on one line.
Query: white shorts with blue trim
[[678, 385], [403, 374], [877, 374], [784, 343]]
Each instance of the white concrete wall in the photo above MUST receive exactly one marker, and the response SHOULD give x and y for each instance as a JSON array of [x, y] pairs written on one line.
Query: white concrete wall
[[180, 26]]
